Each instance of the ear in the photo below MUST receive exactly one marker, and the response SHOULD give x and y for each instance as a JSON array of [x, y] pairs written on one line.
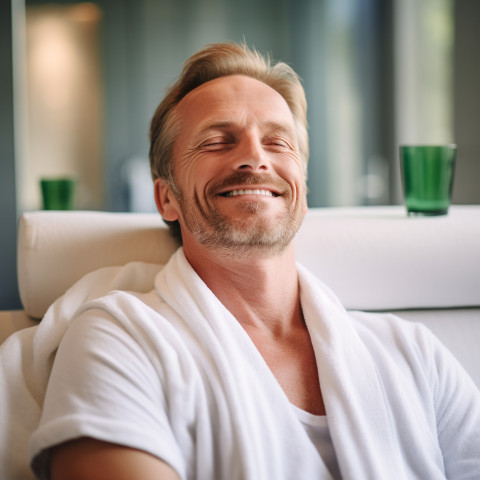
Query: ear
[[165, 200], [305, 201]]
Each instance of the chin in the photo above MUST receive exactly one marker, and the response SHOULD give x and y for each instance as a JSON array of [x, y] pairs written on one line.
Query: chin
[[250, 227], [258, 235]]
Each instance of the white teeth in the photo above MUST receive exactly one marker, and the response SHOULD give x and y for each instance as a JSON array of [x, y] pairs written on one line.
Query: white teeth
[[256, 191]]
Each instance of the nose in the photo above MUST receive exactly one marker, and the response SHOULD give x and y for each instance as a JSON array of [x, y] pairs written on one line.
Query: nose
[[250, 154]]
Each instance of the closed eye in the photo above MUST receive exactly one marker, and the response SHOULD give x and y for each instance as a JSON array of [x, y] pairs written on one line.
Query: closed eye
[[216, 143], [278, 142]]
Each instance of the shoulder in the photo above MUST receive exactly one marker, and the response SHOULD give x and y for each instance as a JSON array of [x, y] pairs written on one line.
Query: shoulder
[[388, 325], [414, 347], [131, 325], [387, 332], [131, 311], [399, 344]]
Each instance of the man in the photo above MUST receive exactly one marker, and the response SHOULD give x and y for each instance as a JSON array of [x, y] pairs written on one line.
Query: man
[[239, 364]]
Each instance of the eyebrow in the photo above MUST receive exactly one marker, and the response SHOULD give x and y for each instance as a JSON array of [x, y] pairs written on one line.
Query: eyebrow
[[279, 127], [222, 125]]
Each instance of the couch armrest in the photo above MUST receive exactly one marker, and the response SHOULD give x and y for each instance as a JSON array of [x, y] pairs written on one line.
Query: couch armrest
[[13, 320]]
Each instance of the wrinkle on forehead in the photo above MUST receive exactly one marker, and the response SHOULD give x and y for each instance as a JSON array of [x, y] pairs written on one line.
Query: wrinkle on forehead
[[225, 95]]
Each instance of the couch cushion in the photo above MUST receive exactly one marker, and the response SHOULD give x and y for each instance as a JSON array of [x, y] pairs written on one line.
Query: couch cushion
[[13, 320]]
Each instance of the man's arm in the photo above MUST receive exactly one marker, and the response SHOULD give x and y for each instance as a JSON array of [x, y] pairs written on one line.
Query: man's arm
[[91, 459]]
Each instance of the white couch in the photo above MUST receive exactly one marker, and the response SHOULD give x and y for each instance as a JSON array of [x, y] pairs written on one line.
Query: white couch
[[373, 258]]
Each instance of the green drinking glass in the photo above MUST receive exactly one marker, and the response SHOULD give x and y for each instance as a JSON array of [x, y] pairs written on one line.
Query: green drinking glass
[[428, 172], [58, 193]]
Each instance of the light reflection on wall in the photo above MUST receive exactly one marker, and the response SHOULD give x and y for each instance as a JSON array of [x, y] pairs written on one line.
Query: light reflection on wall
[[54, 62], [343, 105], [424, 56], [64, 109]]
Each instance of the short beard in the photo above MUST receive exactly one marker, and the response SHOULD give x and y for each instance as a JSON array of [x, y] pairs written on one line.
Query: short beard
[[242, 236]]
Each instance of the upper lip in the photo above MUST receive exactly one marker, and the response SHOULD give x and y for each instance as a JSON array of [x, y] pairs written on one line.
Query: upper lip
[[275, 191]]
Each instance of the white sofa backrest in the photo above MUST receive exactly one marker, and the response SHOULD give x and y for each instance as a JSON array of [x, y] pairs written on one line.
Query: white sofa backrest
[[380, 259], [56, 249], [372, 258]]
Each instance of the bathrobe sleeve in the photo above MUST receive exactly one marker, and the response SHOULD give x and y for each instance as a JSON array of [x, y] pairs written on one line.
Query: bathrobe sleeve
[[457, 407], [433, 403], [106, 384]]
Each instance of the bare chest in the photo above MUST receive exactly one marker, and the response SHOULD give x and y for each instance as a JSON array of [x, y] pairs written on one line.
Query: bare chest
[[292, 362]]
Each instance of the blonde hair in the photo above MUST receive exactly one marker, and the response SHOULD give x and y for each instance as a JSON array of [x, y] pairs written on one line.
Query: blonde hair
[[214, 61]]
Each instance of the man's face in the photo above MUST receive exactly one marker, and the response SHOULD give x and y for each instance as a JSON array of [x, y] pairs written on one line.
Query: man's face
[[239, 179]]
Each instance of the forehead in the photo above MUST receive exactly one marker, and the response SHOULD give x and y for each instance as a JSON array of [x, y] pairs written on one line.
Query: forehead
[[236, 98]]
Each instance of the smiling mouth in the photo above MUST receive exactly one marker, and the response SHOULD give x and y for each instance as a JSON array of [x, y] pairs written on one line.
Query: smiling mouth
[[250, 191]]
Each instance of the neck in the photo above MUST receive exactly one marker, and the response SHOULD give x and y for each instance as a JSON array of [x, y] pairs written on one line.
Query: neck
[[260, 290]]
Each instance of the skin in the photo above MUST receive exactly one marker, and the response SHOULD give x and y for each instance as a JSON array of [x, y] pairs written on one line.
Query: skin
[[234, 131], [89, 459]]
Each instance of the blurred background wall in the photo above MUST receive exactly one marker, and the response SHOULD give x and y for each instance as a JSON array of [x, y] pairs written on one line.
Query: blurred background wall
[[84, 79]]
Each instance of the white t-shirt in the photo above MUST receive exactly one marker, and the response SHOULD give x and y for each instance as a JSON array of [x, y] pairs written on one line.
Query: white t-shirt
[[316, 427]]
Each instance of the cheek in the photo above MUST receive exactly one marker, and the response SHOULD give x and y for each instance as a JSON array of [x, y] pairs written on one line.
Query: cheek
[[199, 175], [292, 171], [191, 166]]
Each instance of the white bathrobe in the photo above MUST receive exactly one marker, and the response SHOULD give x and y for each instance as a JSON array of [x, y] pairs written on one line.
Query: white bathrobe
[[173, 373]]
